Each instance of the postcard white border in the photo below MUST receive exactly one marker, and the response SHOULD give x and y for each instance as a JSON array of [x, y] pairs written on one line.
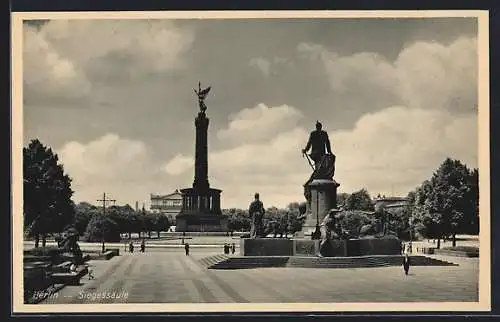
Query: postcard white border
[[484, 303]]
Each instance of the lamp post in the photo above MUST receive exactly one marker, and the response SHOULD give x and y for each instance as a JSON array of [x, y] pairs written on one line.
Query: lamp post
[[104, 213]]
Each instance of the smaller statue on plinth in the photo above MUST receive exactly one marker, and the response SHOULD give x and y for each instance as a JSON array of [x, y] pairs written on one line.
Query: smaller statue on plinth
[[69, 244], [256, 212], [379, 228], [329, 228], [202, 95]]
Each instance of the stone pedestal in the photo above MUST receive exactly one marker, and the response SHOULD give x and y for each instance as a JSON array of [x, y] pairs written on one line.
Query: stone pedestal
[[323, 198], [307, 247], [266, 247]]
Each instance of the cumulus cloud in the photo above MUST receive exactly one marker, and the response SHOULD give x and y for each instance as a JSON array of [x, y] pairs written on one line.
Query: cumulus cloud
[[262, 64], [259, 123], [274, 168], [109, 164], [395, 149], [270, 66], [434, 75], [47, 73], [62, 57], [424, 75], [178, 165], [388, 151]]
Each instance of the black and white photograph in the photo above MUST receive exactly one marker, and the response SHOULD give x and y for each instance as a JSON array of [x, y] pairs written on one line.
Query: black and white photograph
[[250, 161]]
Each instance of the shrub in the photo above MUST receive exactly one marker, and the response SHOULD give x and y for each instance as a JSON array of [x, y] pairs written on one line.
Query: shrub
[[44, 251], [352, 220], [102, 228]]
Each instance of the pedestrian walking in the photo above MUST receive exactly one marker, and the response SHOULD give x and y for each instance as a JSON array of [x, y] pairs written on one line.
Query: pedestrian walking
[[233, 249], [143, 245], [406, 262], [131, 247], [186, 248]]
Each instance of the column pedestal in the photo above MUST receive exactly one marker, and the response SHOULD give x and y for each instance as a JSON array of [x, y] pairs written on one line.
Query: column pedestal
[[323, 198]]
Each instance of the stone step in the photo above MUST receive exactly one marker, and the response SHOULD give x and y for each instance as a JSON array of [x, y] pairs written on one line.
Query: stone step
[[323, 262], [210, 261]]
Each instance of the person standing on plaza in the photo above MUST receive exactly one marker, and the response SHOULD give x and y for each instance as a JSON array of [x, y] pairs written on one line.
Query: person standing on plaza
[[233, 249], [186, 248], [143, 245], [406, 261]]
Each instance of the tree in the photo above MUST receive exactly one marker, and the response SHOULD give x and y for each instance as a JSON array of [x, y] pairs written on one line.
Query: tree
[[47, 193], [342, 198], [447, 204], [102, 229], [160, 223], [84, 211], [238, 219], [127, 219], [148, 221], [359, 200], [294, 222], [352, 220], [399, 221]]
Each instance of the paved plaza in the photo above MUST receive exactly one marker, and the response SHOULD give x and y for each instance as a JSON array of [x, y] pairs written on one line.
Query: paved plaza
[[169, 276]]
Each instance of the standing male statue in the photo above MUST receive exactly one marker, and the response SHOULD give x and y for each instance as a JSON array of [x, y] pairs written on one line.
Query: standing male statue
[[256, 211], [319, 143], [321, 154]]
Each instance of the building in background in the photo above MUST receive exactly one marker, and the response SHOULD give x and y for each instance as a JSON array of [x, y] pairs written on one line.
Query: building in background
[[170, 204], [396, 203]]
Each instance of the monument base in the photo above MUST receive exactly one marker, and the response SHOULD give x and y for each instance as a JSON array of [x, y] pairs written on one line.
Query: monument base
[[201, 223], [305, 247], [323, 198], [266, 247]]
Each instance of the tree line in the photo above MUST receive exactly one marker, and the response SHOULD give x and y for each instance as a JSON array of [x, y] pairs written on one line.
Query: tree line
[[441, 207]]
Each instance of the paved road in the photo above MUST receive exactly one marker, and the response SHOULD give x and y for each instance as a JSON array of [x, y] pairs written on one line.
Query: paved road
[[171, 277]]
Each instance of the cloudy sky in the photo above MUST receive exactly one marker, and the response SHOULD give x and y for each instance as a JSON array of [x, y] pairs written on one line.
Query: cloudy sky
[[114, 98]]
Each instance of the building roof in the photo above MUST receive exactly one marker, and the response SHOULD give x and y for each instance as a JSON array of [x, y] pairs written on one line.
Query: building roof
[[384, 198], [175, 193], [397, 205]]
